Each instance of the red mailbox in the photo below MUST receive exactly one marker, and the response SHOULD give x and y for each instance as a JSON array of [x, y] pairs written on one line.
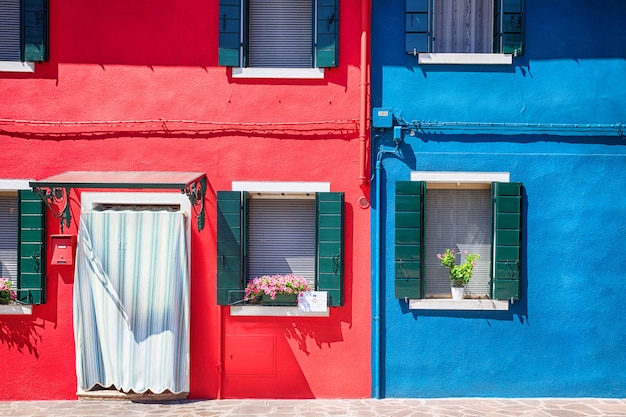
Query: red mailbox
[[62, 247]]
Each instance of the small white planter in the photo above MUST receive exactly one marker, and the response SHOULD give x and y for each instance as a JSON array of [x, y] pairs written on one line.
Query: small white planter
[[457, 292]]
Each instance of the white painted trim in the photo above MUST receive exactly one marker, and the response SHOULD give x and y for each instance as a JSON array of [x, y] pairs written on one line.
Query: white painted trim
[[447, 304], [16, 309], [460, 176], [280, 73], [13, 185], [280, 187], [275, 311], [90, 199], [465, 59], [16, 66]]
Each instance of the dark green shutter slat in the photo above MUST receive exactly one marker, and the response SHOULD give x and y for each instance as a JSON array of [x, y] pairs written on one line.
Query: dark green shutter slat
[[509, 27], [409, 232], [417, 26], [327, 50], [507, 229], [31, 280], [330, 256], [35, 30], [229, 33], [229, 247]]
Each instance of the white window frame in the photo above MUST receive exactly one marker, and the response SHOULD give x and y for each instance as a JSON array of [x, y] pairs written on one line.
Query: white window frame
[[15, 309], [459, 179], [436, 58], [278, 189], [279, 73], [17, 66]]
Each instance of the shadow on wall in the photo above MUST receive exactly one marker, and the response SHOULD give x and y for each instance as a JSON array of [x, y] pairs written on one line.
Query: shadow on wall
[[262, 366], [266, 364], [306, 335], [22, 334]]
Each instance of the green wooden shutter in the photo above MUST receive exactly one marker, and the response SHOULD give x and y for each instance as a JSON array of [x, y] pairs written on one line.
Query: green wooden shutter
[[230, 245], [31, 279], [34, 30], [330, 256], [417, 26], [410, 197], [327, 42], [509, 27], [507, 230], [229, 33]]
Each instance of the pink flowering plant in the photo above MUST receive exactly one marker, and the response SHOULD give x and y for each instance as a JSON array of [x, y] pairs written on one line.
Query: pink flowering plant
[[459, 274], [6, 293], [275, 284]]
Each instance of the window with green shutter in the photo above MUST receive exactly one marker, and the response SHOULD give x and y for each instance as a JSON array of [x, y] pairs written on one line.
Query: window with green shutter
[[31, 279], [483, 218], [507, 231], [24, 30], [274, 234], [409, 201], [278, 33], [454, 26]]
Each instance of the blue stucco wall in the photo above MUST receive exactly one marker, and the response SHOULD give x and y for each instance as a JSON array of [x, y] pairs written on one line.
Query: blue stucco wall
[[566, 336]]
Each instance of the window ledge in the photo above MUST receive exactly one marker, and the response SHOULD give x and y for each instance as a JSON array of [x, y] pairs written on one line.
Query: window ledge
[[16, 66], [448, 304], [465, 59], [281, 73], [275, 311], [16, 309]]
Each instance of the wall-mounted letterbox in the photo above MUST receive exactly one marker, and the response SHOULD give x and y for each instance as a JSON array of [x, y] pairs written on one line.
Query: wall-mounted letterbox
[[62, 247]]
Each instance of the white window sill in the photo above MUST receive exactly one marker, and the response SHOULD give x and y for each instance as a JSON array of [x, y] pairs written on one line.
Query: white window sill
[[448, 304], [14, 66], [465, 59], [16, 309], [280, 73], [275, 311]]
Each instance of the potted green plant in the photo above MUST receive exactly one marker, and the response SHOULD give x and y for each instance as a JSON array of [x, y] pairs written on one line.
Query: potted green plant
[[276, 289], [7, 295], [459, 274]]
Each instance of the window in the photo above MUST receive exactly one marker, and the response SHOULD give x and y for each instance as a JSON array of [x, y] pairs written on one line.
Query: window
[[278, 33], [276, 233], [465, 26], [23, 33], [22, 243], [479, 217]]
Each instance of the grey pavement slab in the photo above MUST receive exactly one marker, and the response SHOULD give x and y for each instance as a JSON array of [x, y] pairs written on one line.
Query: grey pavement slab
[[449, 407]]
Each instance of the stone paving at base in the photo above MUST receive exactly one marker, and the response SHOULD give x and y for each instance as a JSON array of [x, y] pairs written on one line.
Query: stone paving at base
[[453, 407]]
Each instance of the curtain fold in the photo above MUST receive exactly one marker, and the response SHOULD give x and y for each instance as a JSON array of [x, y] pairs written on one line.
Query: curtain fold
[[131, 301], [463, 26]]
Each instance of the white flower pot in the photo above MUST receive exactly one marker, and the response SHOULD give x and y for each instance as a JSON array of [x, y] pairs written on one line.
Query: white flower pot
[[457, 292]]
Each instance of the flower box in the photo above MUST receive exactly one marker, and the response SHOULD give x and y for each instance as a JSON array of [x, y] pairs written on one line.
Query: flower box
[[276, 290], [282, 299]]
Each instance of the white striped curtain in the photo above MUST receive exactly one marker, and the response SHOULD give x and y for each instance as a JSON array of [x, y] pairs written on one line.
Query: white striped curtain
[[463, 26], [131, 302]]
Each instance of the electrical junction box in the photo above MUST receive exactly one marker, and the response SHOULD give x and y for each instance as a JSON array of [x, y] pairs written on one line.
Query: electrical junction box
[[62, 249], [382, 117]]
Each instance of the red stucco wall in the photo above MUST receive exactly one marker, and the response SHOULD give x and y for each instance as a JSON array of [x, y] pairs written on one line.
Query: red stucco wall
[[126, 63]]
